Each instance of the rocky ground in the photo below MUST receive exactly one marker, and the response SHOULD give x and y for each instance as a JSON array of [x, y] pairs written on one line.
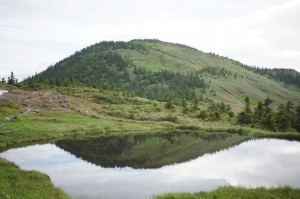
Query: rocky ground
[[34, 101]]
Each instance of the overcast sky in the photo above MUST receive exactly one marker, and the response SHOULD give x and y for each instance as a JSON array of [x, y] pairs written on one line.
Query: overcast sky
[[37, 33]]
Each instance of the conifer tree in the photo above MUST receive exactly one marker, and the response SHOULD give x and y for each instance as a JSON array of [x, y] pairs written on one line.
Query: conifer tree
[[245, 117], [282, 118], [195, 103], [268, 122], [11, 79], [297, 125], [258, 113], [184, 105], [290, 108], [169, 103]]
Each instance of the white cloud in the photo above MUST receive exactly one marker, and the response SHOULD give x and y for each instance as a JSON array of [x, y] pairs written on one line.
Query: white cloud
[[265, 34], [36, 34]]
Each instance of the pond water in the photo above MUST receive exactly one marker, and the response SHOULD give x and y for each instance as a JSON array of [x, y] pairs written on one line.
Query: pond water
[[141, 166]]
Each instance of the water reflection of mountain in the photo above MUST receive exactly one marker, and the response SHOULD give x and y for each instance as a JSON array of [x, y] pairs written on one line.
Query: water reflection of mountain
[[147, 151]]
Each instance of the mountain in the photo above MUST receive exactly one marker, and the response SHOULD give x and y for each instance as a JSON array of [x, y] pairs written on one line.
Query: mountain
[[157, 70]]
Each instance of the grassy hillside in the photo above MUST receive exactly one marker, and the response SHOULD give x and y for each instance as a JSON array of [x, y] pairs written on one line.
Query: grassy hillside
[[231, 86], [156, 70]]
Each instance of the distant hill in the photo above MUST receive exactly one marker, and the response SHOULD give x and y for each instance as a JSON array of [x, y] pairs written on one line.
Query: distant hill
[[157, 70]]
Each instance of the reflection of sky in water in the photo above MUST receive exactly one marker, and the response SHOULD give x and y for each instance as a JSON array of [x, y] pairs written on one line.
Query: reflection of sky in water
[[266, 162]]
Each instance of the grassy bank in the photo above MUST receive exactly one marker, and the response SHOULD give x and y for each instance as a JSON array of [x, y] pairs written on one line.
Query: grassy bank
[[247, 131], [100, 112], [237, 192], [16, 183], [51, 126]]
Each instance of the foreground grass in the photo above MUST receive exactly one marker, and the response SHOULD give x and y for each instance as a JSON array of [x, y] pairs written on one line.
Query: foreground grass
[[16, 183], [237, 192]]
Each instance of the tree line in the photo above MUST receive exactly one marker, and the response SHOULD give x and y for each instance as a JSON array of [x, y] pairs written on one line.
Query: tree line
[[202, 108], [286, 117], [288, 76]]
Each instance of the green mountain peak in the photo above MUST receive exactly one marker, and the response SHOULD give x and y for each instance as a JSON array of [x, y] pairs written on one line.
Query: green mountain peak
[[157, 70]]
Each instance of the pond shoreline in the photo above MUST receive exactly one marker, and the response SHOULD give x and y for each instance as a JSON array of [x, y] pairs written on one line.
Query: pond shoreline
[[180, 128], [252, 133]]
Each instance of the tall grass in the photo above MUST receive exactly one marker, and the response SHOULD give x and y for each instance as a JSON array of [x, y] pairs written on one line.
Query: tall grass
[[238, 192]]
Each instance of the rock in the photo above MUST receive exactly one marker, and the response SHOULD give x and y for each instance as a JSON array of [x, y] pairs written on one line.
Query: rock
[[36, 95], [59, 95], [65, 100], [27, 110], [64, 105], [36, 110], [50, 101]]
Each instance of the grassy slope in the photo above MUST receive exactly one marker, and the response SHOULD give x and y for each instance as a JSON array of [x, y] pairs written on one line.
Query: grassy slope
[[16, 183], [178, 58]]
